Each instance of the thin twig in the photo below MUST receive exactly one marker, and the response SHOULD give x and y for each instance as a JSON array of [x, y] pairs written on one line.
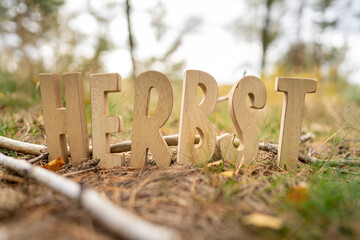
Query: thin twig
[[78, 172], [38, 158], [223, 98]]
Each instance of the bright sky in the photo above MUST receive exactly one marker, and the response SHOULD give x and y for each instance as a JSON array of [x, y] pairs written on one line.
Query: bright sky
[[212, 47]]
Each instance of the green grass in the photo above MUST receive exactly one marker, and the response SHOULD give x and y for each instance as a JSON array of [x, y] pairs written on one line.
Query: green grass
[[8, 126], [331, 210], [15, 94]]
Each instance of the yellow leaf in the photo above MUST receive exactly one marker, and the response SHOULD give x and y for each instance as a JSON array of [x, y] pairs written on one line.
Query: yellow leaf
[[262, 220], [35, 79], [216, 163], [228, 174], [298, 193], [87, 99], [54, 165]]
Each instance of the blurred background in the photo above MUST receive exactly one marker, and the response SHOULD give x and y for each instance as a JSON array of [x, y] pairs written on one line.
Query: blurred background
[[228, 39]]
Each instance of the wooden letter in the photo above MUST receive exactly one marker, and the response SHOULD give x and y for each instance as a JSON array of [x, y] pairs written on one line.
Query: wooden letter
[[146, 129], [291, 118], [59, 121], [102, 123], [255, 89], [194, 117]]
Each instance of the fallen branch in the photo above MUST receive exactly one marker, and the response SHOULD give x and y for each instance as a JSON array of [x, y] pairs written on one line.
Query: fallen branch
[[125, 146], [78, 172], [114, 218], [171, 140], [338, 162], [223, 98], [273, 148], [307, 137], [42, 156], [23, 147], [268, 147], [310, 160]]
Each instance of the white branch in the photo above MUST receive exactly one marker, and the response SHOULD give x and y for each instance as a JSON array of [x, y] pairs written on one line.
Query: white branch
[[171, 140], [223, 98], [114, 218], [23, 147]]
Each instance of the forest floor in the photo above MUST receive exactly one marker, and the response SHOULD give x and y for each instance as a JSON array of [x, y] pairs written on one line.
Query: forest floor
[[206, 201], [199, 201]]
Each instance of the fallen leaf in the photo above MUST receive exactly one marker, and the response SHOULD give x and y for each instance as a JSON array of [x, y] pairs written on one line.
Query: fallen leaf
[[262, 220], [216, 163], [298, 193], [35, 79], [228, 174], [54, 165], [87, 99]]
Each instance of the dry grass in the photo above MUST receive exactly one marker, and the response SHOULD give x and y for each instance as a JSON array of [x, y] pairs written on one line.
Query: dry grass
[[198, 201]]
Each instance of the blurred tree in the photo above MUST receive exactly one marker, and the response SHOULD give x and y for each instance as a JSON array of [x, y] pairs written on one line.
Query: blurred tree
[[163, 60], [261, 23], [103, 44], [37, 36], [321, 56], [161, 30], [158, 15], [131, 38], [268, 32], [24, 26]]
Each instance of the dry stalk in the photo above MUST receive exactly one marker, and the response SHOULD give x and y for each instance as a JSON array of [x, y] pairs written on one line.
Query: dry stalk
[[131, 203]]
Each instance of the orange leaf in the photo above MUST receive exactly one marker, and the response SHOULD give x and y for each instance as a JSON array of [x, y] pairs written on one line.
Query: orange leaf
[[54, 165]]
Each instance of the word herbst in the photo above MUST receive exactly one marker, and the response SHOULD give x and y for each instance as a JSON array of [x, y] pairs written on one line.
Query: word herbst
[[146, 135]]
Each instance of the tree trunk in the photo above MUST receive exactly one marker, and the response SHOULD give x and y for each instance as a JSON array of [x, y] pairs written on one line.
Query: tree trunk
[[131, 40], [265, 34]]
